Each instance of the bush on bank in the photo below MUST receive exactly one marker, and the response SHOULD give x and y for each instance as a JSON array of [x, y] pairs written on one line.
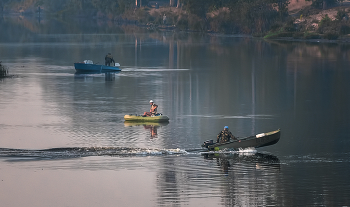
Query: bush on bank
[[3, 71], [326, 28]]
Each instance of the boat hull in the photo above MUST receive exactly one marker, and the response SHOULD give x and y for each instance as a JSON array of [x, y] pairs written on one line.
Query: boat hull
[[260, 140], [137, 118], [82, 67]]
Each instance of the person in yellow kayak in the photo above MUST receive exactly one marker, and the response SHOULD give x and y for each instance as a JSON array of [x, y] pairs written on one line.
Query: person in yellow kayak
[[153, 110], [225, 136]]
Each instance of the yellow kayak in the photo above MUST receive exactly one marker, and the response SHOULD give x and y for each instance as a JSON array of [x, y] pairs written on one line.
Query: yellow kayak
[[140, 118]]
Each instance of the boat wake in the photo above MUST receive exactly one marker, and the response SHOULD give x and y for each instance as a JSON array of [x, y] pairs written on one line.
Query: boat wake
[[258, 116], [154, 69], [78, 152]]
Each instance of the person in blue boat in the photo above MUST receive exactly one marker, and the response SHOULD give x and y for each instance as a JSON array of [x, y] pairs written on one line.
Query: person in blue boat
[[109, 59], [225, 136], [153, 110]]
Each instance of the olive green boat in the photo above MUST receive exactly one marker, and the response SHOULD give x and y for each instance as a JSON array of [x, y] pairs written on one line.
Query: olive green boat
[[140, 118], [256, 141]]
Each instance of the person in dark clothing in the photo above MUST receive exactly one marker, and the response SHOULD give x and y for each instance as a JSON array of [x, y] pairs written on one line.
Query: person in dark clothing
[[109, 59], [225, 136]]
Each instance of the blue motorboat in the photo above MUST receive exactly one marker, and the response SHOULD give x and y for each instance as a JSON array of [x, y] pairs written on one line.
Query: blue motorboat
[[89, 66]]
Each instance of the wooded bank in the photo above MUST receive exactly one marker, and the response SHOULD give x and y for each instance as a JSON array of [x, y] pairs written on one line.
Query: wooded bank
[[256, 17]]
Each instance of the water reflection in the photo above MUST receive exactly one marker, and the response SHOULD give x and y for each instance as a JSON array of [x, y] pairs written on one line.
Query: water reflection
[[259, 160], [251, 180], [219, 180], [151, 126], [89, 76]]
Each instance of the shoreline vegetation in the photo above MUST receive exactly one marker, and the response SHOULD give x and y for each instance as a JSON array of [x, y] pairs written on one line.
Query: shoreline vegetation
[[3, 71], [312, 24], [292, 20]]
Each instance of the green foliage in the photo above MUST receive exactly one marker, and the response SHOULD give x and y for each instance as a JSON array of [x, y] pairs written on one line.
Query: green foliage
[[289, 25], [325, 21], [254, 16], [143, 16], [280, 29], [72, 7], [276, 26], [245, 16], [340, 14], [182, 23], [323, 4], [112, 6], [201, 7], [344, 29], [278, 34], [157, 18], [124, 5], [331, 36], [326, 26], [242, 16], [196, 7], [298, 35], [221, 22], [311, 35], [196, 23]]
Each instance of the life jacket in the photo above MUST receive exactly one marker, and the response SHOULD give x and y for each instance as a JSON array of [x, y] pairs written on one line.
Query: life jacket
[[153, 109]]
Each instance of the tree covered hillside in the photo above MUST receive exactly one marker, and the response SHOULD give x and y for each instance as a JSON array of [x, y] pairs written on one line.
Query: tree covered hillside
[[224, 16]]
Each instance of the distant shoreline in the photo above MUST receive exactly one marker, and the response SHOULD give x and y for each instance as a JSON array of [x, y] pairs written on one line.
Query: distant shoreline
[[313, 17]]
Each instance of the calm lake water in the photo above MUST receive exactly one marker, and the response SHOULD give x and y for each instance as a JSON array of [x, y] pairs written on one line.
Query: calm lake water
[[64, 141]]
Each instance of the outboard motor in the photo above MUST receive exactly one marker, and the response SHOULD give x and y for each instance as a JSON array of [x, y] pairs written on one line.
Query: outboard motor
[[208, 143]]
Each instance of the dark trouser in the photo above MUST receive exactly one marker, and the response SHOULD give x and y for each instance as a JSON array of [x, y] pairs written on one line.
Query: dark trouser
[[147, 114], [108, 63]]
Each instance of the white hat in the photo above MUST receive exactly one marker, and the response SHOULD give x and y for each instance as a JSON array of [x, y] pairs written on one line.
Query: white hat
[[151, 101]]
